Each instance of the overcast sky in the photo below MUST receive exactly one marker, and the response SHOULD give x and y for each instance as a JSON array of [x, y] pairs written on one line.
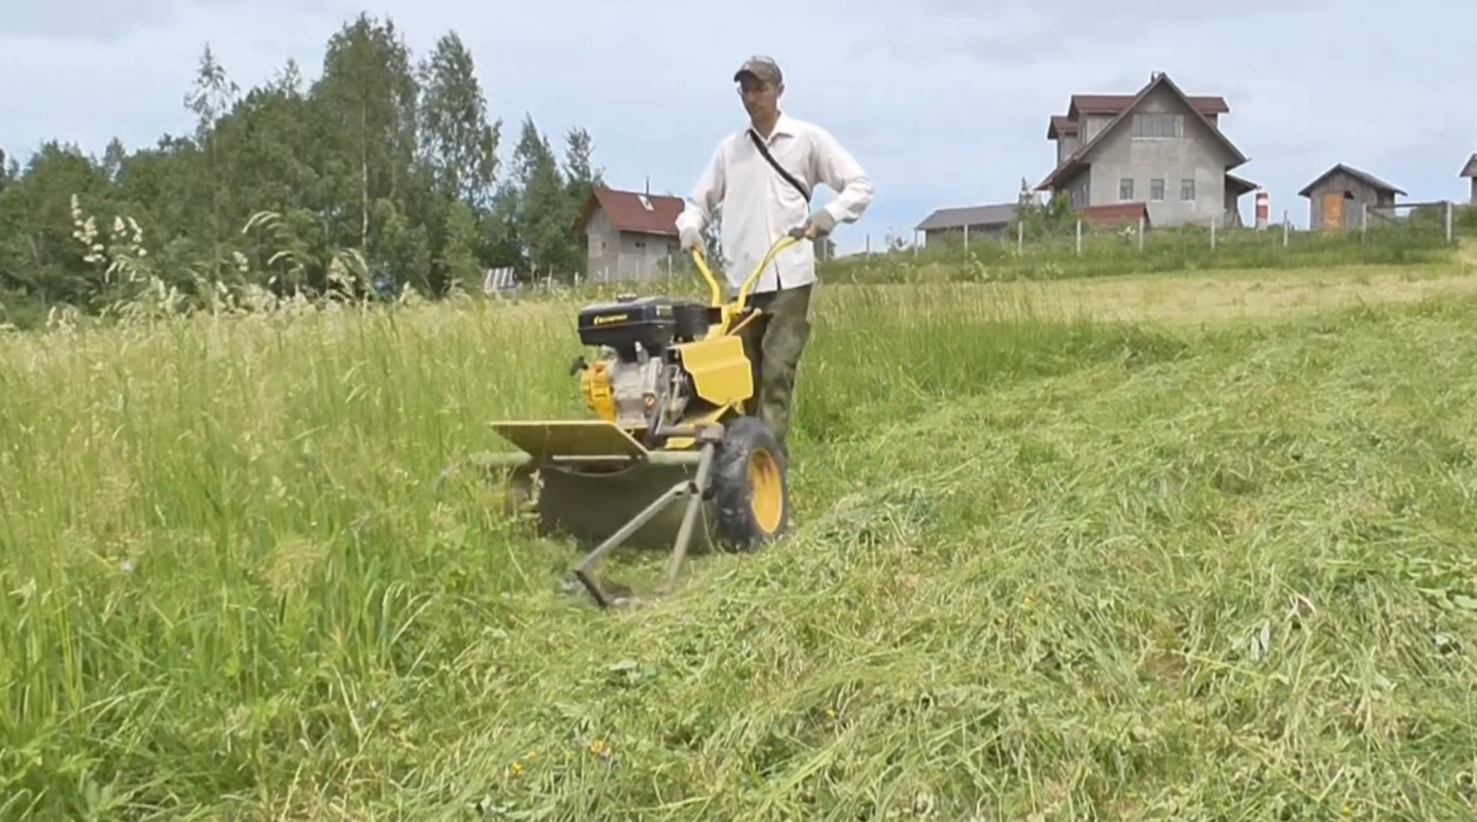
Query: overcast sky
[[944, 102]]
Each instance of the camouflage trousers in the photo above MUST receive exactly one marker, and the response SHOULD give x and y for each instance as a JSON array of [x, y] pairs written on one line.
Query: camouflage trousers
[[774, 342]]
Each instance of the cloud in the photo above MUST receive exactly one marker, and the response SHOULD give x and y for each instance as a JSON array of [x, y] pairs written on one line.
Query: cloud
[[1017, 34], [945, 102], [86, 20], [105, 21]]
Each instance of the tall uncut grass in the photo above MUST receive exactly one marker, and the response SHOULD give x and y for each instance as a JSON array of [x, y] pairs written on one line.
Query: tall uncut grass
[[1042, 569]]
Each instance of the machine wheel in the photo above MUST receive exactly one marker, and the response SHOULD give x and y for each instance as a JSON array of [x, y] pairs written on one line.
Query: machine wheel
[[751, 489]]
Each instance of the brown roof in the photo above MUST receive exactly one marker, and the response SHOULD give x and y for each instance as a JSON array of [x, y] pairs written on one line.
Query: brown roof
[[1116, 103], [1470, 169], [1080, 104], [1073, 162], [1061, 125], [1111, 214], [1363, 176], [627, 212]]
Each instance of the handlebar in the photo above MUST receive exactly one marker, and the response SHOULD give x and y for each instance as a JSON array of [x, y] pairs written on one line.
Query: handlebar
[[793, 236]]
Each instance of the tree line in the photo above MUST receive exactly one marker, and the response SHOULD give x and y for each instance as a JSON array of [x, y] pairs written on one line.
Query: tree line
[[393, 158]]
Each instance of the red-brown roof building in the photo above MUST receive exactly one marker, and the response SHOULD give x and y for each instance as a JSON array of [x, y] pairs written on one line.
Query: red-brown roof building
[[1159, 146], [629, 235], [1115, 215]]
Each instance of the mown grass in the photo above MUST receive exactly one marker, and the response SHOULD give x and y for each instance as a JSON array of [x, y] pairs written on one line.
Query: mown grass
[[1043, 569]]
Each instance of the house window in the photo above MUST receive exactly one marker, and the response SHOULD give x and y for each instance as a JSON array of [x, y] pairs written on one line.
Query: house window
[[1125, 189], [1156, 190], [1157, 125], [1187, 189]]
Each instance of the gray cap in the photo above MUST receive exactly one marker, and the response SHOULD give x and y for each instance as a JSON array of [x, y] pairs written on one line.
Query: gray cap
[[762, 68]]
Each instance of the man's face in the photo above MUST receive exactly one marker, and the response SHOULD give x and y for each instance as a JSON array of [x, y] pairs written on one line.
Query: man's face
[[761, 98]]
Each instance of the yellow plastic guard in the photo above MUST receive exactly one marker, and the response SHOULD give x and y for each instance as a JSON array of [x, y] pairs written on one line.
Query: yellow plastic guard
[[546, 440]]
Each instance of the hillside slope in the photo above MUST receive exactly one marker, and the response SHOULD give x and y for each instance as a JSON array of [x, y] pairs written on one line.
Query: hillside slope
[[1042, 571], [1233, 581]]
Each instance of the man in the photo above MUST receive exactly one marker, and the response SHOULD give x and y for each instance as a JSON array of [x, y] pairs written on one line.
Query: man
[[760, 180]]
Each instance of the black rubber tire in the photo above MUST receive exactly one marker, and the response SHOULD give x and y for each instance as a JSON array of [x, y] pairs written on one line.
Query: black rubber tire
[[739, 530]]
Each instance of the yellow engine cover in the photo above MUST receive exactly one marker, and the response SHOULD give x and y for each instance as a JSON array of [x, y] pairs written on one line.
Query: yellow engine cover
[[595, 385], [721, 373]]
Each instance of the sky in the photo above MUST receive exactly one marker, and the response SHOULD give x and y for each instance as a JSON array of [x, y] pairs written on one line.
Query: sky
[[944, 102]]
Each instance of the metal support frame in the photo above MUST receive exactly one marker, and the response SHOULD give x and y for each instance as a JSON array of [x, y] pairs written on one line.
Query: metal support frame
[[518, 459], [692, 490]]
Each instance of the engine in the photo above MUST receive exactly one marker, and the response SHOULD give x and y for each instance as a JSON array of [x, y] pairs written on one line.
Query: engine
[[637, 382]]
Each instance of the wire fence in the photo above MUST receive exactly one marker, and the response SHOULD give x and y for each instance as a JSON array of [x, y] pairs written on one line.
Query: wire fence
[[1405, 233], [1399, 234]]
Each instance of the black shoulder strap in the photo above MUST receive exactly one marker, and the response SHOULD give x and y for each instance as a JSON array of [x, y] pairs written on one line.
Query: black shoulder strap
[[763, 149]]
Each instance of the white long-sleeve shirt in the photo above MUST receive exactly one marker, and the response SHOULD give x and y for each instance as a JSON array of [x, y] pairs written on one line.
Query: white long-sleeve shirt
[[758, 206]]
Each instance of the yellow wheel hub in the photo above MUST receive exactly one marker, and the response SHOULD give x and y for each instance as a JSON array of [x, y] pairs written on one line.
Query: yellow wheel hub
[[766, 491]]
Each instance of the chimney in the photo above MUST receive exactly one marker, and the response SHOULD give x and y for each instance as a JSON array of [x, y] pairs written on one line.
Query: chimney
[[648, 185]]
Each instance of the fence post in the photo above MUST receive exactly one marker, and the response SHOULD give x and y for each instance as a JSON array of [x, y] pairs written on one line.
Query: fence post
[[1449, 237], [1363, 221], [1020, 238], [1079, 238], [1286, 224], [1213, 222], [966, 237], [1141, 232]]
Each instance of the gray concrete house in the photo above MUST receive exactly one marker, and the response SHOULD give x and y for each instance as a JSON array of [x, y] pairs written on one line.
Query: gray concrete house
[[629, 235], [1470, 171], [1158, 146], [1336, 199], [987, 222]]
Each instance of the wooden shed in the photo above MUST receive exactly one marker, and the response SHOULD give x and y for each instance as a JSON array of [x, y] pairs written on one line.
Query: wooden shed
[[1470, 171], [966, 223], [1338, 198]]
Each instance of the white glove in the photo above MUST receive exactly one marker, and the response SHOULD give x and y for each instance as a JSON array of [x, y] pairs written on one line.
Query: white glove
[[820, 224], [690, 238]]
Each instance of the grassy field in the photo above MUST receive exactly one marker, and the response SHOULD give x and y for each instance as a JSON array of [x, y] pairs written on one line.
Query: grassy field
[[1054, 254], [1186, 547]]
